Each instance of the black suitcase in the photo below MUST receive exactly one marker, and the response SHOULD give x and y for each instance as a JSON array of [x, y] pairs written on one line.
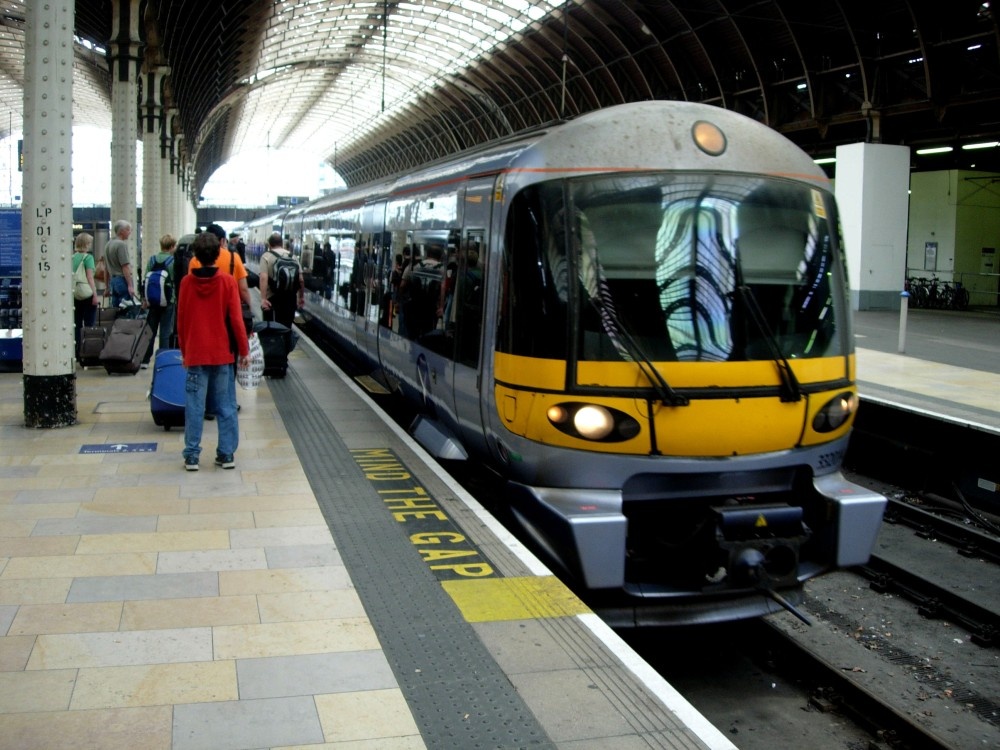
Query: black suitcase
[[95, 337], [126, 346], [276, 341], [167, 395]]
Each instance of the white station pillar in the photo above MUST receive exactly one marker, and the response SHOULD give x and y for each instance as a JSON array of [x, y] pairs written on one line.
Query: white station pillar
[[169, 201], [47, 217], [872, 188], [153, 224], [124, 61]]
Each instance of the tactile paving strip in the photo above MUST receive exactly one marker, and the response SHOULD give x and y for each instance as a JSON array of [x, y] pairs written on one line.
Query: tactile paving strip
[[459, 697]]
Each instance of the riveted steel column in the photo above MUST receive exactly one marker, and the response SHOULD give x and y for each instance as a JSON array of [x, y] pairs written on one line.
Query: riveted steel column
[[188, 200], [47, 217], [168, 180], [124, 59], [178, 163], [153, 226]]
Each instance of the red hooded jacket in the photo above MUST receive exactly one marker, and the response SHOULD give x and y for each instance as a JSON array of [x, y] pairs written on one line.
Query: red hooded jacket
[[207, 300]]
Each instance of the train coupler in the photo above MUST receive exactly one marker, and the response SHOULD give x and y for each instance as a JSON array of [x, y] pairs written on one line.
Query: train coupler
[[761, 543]]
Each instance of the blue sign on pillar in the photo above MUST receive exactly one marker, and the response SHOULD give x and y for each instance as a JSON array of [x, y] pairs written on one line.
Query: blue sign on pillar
[[11, 350]]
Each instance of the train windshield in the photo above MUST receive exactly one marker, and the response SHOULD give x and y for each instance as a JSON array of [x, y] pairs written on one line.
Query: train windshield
[[679, 267]]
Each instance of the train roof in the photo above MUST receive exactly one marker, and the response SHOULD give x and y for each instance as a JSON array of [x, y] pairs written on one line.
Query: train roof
[[640, 136]]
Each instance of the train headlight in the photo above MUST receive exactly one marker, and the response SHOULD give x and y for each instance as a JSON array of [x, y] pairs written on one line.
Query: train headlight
[[593, 422], [835, 412], [708, 137]]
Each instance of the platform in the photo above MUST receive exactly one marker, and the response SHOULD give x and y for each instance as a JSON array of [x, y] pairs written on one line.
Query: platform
[[949, 366], [334, 590]]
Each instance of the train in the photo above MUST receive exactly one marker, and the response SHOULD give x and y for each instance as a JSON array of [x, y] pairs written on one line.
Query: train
[[639, 318]]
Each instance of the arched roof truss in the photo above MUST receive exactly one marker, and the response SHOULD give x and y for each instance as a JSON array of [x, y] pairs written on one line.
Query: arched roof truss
[[377, 86]]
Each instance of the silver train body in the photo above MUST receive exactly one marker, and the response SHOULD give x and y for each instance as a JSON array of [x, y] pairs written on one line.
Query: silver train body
[[640, 319]]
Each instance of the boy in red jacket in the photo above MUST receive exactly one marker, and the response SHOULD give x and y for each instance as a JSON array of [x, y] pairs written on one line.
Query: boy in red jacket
[[208, 304]]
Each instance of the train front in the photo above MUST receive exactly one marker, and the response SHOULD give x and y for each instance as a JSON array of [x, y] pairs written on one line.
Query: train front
[[674, 385]]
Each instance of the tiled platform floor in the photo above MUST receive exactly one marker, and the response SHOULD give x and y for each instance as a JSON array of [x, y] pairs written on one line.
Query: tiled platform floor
[[143, 606]]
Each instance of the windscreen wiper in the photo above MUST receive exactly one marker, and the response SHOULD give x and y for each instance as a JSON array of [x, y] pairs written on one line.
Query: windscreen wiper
[[790, 390], [667, 395]]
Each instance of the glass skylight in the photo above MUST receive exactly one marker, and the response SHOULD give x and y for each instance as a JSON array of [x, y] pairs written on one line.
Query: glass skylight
[[328, 74]]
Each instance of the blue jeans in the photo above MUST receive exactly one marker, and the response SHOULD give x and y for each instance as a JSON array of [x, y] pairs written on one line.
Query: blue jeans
[[217, 384], [119, 290]]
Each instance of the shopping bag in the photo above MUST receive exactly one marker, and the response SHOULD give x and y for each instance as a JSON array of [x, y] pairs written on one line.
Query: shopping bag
[[249, 377]]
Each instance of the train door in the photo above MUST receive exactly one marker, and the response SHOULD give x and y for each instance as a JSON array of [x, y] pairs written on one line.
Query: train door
[[464, 311], [365, 278]]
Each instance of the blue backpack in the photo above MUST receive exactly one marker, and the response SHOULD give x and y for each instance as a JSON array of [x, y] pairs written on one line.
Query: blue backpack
[[158, 287]]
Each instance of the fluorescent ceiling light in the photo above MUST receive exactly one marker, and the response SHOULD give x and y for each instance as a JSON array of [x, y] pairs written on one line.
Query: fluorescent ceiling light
[[988, 144], [826, 160], [938, 150]]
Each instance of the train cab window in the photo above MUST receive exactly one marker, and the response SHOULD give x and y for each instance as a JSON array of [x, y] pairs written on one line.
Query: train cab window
[[532, 318], [694, 267], [674, 267]]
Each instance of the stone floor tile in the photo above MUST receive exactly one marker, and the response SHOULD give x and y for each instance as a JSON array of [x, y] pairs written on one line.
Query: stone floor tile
[[45, 489], [37, 619], [141, 587], [33, 512], [80, 650], [365, 715], [34, 590], [155, 685], [14, 652], [572, 705], [61, 566], [303, 556], [282, 580], [252, 503], [200, 521], [11, 529], [7, 612], [314, 674], [93, 524], [157, 541], [289, 638], [112, 729], [310, 605], [224, 559], [286, 474], [293, 517], [48, 690], [206, 611], [280, 488], [136, 506], [39, 546], [236, 725], [280, 536]]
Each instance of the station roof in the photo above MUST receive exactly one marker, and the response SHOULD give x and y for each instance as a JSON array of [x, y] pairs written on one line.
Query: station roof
[[375, 87]]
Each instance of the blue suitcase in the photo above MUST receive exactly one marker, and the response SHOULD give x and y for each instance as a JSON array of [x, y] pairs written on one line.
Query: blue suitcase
[[166, 396]]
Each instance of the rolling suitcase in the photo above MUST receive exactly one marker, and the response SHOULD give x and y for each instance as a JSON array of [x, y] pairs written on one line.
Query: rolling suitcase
[[95, 337], [167, 395], [276, 341], [126, 346]]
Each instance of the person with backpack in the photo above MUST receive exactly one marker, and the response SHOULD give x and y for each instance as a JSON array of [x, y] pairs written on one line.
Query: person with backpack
[[282, 285], [159, 295]]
